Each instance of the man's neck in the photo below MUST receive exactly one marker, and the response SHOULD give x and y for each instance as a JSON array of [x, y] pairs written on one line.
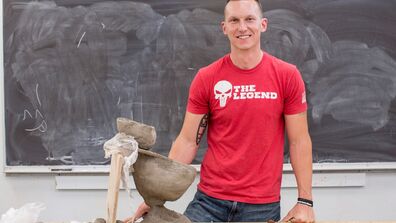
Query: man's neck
[[246, 59]]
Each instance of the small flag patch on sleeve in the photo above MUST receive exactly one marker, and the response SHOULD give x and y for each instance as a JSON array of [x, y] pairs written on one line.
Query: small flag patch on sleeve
[[304, 98]]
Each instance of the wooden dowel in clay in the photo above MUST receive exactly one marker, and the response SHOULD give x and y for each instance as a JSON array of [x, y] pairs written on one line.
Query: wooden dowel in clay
[[117, 160]]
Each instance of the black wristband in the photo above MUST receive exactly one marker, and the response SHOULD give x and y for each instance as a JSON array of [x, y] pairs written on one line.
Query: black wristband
[[305, 201]]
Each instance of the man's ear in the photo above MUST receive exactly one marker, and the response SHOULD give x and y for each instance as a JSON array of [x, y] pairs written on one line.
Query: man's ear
[[222, 24], [264, 24]]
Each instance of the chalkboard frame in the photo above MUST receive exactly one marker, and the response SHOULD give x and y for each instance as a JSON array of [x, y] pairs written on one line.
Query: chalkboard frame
[[104, 169], [100, 168]]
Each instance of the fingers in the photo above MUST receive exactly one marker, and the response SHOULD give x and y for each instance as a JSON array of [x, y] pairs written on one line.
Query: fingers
[[287, 218], [129, 220], [291, 220], [297, 220], [142, 210], [300, 214]]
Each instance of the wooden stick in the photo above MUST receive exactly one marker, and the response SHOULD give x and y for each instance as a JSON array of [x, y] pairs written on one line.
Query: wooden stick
[[117, 160]]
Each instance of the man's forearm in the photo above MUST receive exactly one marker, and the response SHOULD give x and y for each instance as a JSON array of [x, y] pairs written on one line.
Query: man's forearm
[[186, 144], [183, 150], [301, 159]]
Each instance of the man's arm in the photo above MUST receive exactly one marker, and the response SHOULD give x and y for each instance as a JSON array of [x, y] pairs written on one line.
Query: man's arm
[[300, 147], [186, 144], [183, 149]]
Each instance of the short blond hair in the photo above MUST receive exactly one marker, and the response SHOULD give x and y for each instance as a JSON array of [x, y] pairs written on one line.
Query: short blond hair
[[257, 1]]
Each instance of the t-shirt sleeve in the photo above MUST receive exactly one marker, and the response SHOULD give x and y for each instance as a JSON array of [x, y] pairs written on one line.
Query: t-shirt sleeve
[[295, 97], [198, 98]]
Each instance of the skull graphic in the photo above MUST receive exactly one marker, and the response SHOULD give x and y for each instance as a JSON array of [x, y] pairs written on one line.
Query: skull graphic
[[223, 91]]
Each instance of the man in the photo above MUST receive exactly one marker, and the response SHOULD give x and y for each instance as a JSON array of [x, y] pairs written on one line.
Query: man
[[246, 99]]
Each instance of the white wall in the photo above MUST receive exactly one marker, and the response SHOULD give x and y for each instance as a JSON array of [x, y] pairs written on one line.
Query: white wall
[[376, 200]]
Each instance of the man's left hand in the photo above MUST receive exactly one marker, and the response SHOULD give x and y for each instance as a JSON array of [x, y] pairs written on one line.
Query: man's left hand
[[300, 213]]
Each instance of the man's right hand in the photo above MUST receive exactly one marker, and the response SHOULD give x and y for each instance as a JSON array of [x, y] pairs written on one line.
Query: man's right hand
[[142, 209]]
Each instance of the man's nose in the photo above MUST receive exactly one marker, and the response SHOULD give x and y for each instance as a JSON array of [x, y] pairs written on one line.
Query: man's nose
[[242, 26]]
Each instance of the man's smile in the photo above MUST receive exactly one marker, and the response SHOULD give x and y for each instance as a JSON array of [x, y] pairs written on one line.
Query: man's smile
[[244, 36]]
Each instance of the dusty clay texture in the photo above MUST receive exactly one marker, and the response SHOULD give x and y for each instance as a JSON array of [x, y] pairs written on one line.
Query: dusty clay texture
[[145, 135], [159, 179], [164, 215]]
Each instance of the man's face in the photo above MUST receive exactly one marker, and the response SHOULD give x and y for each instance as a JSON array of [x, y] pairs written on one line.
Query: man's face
[[243, 24]]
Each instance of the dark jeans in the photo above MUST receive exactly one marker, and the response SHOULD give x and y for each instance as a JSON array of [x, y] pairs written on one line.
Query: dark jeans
[[208, 209]]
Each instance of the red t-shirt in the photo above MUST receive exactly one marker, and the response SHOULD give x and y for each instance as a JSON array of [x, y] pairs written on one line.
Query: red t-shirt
[[246, 110]]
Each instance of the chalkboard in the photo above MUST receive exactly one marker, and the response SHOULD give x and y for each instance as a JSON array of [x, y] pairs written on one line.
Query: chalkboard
[[71, 67]]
